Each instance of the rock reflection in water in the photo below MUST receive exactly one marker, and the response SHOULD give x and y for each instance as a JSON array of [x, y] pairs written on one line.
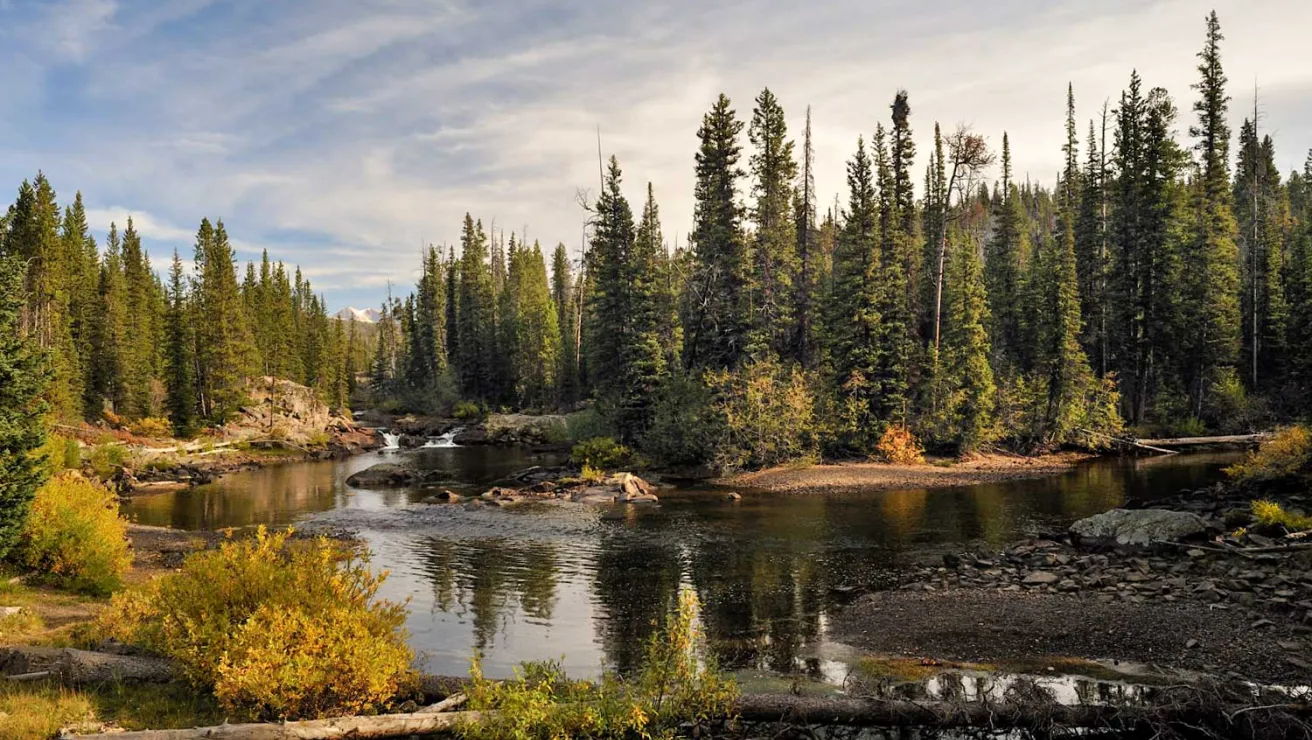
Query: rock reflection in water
[[546, 581]]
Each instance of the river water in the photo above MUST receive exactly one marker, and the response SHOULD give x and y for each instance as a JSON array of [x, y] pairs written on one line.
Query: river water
[[585, 584]]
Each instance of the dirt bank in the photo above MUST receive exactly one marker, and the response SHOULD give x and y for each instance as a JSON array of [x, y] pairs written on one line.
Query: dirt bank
[[870, 476]]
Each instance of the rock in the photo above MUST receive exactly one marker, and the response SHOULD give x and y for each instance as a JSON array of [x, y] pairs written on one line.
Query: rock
[[1041, 578], [386, 475], [10, 611], [1139, 526], [732, 496], [632, 489], [952, 561], [1191, 644]]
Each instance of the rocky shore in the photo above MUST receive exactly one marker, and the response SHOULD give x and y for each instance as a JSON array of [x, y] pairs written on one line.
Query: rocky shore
[[1171, 583]]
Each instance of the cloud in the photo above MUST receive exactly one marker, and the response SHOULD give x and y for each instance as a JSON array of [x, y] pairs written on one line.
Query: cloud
[[343, 134]]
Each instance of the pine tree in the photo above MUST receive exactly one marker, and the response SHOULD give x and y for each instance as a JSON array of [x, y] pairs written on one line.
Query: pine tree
[[225, 350], [854, 324], [140, 352], [773, 251], [1262, 210], [970, 403], [179, 360], [1006, 260], [806, 309], [23, 378], [537, 343], [717, 320], [1091, 260], [110, 328], [899, 263], [626, 358], [79, 253], [427, 354], [1213, 261], [452, 306], [562, 297], [476, 322]]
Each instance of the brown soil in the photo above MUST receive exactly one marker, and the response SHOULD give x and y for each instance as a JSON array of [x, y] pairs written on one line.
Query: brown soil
[[870, 476], [993, 627]]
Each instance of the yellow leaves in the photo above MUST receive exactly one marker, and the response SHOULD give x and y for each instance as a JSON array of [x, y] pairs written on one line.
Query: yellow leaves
[[900, 447], [1270, 514], [74, 535], [281, 629], [1288, 454]]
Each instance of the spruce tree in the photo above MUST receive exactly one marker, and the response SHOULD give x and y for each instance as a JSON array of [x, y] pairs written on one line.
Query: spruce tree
[[562, 297], [141, 350], [716, 304], [476, 321], [23, 378], [452, 305], [1006, 258], [225, 350], [806, 307], [427, 354], [1262, 210], [537, 344], [626, 359], [970, 403], [80, 254], [1213, 261], [110, 329], [773, 251], [1091, 251], [179, 358]]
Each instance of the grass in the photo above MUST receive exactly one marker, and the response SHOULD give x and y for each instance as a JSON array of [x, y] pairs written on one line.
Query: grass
[[37, 711]]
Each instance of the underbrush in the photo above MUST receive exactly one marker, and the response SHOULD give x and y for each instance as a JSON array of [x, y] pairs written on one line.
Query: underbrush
[[601, 453], [278, 629], [679, 689], [1270, 515], [74, 536], [1284, 458], [39, 711]]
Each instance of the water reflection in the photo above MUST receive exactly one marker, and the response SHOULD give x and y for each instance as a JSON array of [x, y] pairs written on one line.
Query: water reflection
[[587, 584]]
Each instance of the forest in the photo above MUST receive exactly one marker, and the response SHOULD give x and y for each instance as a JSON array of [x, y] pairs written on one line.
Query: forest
[[1162, 284]]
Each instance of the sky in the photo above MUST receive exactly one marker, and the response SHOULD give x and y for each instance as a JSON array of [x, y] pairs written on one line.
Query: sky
[[343, 135]]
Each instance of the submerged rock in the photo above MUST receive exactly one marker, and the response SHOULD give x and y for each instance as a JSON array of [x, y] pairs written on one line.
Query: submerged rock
[[622, 488], [1139, 526], [391, 475]]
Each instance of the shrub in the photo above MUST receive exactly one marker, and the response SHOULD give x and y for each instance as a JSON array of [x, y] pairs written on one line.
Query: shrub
[[591, 475], [898, 446], [586, 424], [768, 414], [685, 428], [279, 629], [467, 411], [678, 685], [151, 426], [74, 536], [60, 454], [106, 459], [603, 453], [1228, 408], [1269, 514], [1285, 457]]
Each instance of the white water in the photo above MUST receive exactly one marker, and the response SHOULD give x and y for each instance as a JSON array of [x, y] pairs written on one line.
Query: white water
[[446, 440], [392, 441]]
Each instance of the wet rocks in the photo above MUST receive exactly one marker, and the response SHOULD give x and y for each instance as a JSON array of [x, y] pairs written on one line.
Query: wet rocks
[[392, 475], [1139, 527]]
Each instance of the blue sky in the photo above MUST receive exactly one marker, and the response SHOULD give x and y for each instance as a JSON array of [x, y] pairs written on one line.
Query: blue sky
[[343, 134]]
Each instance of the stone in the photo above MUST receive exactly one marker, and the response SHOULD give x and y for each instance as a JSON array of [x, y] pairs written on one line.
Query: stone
[[1041, 578], [952, 561], [1139, 526], [1191, 644], [386, 475], [10, 611], [733, 496]]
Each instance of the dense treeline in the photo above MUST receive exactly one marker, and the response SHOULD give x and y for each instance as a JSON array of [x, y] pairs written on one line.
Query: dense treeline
[[1150, 286], [125, 345]]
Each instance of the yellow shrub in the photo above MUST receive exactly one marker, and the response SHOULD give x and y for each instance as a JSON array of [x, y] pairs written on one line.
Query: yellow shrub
[[1270, 514], [74, 536], [265, 620], [152, 426], [900, 447], [1286, 455]]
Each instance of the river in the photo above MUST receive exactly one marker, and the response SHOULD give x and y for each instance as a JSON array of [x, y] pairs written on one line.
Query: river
[[584, 584]]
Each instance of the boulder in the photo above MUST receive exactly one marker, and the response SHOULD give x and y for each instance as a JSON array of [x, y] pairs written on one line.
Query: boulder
[[1139, 527], [390, 475], [623, 488]]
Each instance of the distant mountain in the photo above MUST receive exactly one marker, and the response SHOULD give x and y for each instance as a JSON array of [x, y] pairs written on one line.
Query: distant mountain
[[362, 315]]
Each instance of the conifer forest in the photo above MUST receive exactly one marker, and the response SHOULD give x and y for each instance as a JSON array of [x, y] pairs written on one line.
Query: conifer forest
[[1162, 284]]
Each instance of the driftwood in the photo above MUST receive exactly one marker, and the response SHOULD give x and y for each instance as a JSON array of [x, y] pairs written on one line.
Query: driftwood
[[768, 708], [1197, 441], [83, 667]]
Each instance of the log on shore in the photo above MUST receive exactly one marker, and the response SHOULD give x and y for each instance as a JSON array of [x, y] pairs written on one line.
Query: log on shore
[[1196, 441], [765, 708], [83, 667]]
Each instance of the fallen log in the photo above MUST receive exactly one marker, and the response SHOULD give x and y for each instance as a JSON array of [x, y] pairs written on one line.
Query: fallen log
[[84, 667], [774, 709], [1223, 439]]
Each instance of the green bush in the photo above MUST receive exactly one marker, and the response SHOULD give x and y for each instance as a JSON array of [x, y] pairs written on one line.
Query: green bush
[[768, 414], [468, 411], [1228, 408], [602, 453], [685, 428], [279, 629], [74, 536], [678, 691], [587, 424], [152, 426], [60, 454], [106, 459]]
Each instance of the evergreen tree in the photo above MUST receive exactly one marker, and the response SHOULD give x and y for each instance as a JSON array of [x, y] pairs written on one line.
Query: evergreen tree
[[476, 322], [225, 351], [110, 329], [717, 320], [854, 320], [79, 253], [562, 297], [1213, 261], [626, 359], [773, 252], [23, 378], [508, 320], [1091, 254], [807, 320], [141, 338], [969, 405], [179, 359], [427, 353], [1262, 211], [537, 343], [1006, 260], [452, 305]]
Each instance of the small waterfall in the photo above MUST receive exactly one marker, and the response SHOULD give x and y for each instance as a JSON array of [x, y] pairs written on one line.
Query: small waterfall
[[391, 441], [446, 440]]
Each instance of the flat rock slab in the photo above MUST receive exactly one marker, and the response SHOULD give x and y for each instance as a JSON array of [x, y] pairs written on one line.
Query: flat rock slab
[[1140, 526]]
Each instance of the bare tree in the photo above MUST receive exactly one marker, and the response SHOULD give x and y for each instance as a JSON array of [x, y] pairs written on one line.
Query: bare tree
[[969, 154]]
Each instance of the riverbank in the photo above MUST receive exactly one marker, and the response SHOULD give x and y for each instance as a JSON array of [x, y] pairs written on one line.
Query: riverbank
[[872, 476], [1223, 602]]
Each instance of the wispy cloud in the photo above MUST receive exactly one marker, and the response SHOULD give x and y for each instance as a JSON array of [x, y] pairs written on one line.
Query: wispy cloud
[[343, 134]]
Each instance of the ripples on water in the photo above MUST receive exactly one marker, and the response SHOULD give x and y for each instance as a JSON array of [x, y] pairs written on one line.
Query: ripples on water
[[586, 584]]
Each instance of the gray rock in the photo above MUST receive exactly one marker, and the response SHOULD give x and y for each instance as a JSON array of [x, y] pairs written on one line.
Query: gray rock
[[1041, 578], [1139, 526]]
